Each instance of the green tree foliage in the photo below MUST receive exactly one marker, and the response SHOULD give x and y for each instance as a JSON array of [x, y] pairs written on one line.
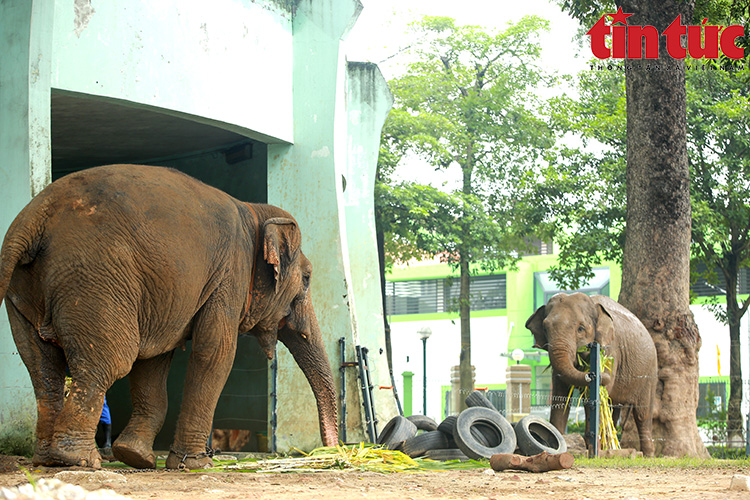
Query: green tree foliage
[[719, 146], [578, 199], [466, 101]]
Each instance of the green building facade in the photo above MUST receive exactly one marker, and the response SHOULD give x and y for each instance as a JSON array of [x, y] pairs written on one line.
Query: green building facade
[[420, 295]]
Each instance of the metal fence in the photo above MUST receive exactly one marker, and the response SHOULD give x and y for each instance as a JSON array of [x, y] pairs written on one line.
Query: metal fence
[[540, 401]]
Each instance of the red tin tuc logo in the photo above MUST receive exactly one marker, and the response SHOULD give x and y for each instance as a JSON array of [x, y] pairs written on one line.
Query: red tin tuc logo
[[631, 41]]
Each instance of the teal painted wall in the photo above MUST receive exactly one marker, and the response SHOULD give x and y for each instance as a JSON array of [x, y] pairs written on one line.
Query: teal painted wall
[[335, 139], [368, 102], [26, 28], [223, 62], [249, 67]]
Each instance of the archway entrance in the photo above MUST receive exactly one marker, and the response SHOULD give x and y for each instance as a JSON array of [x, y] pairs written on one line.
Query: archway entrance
[[89, 131]]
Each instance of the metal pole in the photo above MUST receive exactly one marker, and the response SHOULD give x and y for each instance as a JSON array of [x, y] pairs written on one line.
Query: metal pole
[[594, 379], [366, 402], [424, 376], [371, 397], [342, 395]]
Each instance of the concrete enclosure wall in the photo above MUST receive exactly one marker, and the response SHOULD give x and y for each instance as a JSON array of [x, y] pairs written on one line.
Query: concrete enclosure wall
[[330, 149], [221, 61], [24, 170], [268, 70]]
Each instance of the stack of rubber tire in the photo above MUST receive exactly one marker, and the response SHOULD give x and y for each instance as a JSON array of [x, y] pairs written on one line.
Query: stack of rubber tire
[[476, 433]]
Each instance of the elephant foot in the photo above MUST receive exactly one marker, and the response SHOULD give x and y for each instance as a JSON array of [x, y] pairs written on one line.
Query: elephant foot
[[134, 454], [42, 454], [195, 461], [42, 459], [647, 447], [82, 458]]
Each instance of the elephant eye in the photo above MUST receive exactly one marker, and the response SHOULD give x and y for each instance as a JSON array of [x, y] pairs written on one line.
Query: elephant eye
[[306, 281], [581, 329]]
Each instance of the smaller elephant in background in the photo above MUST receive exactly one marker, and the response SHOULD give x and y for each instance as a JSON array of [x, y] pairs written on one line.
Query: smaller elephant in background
[[569, 322]]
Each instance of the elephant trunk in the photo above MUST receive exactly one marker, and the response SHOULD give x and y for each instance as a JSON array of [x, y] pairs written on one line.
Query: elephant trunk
[[562, 359], [309, 352]]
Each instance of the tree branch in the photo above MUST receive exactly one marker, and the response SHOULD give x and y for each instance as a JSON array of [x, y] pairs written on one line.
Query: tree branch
[[447, 65], [744, 307]]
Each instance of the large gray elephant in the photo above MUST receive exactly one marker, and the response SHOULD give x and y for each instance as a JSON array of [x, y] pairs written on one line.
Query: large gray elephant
[[569, 322], [109, 270]]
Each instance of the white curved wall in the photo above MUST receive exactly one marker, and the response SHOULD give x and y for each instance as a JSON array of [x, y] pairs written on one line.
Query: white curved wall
[[224, 60]]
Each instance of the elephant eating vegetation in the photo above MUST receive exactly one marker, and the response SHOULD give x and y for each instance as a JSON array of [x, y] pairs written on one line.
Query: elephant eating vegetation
[[567, 323]]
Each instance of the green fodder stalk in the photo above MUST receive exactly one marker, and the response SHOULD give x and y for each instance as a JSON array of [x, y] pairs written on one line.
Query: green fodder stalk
[[607, 430], [362, 457]]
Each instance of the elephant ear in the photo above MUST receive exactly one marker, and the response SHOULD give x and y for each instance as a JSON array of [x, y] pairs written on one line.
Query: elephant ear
[[535, 324], [605, 326], [281, 243]]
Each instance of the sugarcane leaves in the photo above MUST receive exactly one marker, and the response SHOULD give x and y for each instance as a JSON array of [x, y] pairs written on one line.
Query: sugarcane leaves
[[607, 430]]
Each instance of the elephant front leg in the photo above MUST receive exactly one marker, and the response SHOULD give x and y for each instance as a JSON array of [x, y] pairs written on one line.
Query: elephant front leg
[[559, 406], [208, 369], [148, 392]]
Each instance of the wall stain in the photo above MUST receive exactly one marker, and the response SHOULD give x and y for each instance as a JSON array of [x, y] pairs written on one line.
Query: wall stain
[[83, 14]]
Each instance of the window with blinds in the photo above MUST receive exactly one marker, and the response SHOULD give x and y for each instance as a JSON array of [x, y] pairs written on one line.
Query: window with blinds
[[441, 295], [717, 284]]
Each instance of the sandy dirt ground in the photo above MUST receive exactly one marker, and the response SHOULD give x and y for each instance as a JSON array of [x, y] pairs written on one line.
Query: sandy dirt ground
[[573, 484]]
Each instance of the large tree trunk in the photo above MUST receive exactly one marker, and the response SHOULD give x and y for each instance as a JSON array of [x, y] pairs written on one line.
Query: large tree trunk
[[656, 260]]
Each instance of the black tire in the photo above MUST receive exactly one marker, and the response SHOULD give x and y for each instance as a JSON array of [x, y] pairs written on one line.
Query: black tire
[[421, 444], [477, 399], [447, 425], [423, 423], [498, 433], [396, 431], [446, 455], [535, 435], [478, 433]]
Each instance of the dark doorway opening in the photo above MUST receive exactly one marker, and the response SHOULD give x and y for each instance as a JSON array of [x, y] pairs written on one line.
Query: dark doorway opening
[[89, 131]]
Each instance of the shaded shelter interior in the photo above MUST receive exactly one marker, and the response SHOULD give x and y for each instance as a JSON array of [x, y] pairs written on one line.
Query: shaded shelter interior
[[89, 131]]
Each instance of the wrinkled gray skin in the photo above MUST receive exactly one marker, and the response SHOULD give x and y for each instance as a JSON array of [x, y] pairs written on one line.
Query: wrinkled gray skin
[[110, 269], [569, 322]]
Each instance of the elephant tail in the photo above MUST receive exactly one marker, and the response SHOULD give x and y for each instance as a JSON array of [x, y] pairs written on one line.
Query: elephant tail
[[22, 241]]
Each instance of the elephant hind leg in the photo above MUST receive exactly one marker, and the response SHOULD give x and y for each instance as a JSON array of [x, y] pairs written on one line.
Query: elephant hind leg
[[643, 421], [98, 353], [148, 392], [46, 365]]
